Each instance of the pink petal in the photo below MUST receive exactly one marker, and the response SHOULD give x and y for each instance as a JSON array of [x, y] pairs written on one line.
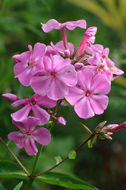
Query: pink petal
[[20, 102], [11, 97], [19, 68], [74, 95], [85, 77], [100, 85], [30, 146], [50, 25], [71, 25], [22, 113], [61, 120], [42, 136], [98, 103], [18, 138], [25, 77], [30, 123], [57, 90], [68, 75], [41, 114], [83, 108], [39, 50], [41, 84], [44, 101]]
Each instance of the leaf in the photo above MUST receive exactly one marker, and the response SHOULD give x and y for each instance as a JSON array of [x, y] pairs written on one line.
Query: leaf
[[90, 144], [65, 180], [10, 169], [58, 159], [18, 186], [72, 154]]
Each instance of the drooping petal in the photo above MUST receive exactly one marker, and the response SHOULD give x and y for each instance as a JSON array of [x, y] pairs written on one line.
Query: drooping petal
[[83, 108], [41, 114], [11, 97], [22, 113], [74, 95], [18, 138], [50, 25], [30, 146], [71, 25], [42, 136], [100, 85], [98, 103]]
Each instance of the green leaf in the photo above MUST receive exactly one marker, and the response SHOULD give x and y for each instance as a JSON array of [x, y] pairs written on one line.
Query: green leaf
[[58, 159], [72, 154], [65, 180], [90, 144], [10, 169], [18, 186]]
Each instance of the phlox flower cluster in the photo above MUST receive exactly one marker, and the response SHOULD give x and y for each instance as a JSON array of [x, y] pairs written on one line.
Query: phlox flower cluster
[[79, 75]]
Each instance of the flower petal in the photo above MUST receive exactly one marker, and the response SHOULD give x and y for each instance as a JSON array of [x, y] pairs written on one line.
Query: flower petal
[[100, 85], [42, 136], [98, 103], [30, 146], [18, 138], [41, 114], [22, 113], [83, 108]]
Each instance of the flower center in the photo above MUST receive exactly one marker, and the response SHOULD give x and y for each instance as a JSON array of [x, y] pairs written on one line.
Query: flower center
[[28, 133], [53, 74], [87, 93], [31, 63], [33, 102], [100, 68]]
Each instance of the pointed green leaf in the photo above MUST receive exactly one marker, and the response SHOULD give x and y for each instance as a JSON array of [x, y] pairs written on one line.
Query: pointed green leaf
[[90, 144], [72, 154], [65, 180], [18, 186], [10, 169], [58, 159]]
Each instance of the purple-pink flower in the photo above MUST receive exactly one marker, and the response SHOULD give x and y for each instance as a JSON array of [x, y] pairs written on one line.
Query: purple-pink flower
[[28, 63], [28, 135], [89, 95], [71, 25], [55, 79], [33, 104]]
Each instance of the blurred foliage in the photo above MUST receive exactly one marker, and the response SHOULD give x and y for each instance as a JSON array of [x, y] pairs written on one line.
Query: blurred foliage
[[111, 12], [103, 166]]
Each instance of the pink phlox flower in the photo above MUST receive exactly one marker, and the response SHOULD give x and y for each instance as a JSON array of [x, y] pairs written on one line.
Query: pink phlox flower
[[87, 40], [11, 97], [100, 65], [89, 95], [54, 24], [99, 49], [60, 49], [28, 135], [28, 63], [33, 104], [50, 51], [56, 79]]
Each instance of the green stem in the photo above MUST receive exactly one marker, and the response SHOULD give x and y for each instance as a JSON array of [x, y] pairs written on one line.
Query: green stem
[[66, 158], [34, 167]]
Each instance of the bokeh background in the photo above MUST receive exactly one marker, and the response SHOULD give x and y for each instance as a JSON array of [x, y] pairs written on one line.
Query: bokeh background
[[104, 166]]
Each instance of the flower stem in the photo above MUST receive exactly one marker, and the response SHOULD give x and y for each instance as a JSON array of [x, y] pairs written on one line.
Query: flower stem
[[34, 167], [66, 158], [26, 171]]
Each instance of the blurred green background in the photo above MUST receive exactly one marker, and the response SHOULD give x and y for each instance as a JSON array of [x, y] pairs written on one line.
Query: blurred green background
[[105, 165]]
